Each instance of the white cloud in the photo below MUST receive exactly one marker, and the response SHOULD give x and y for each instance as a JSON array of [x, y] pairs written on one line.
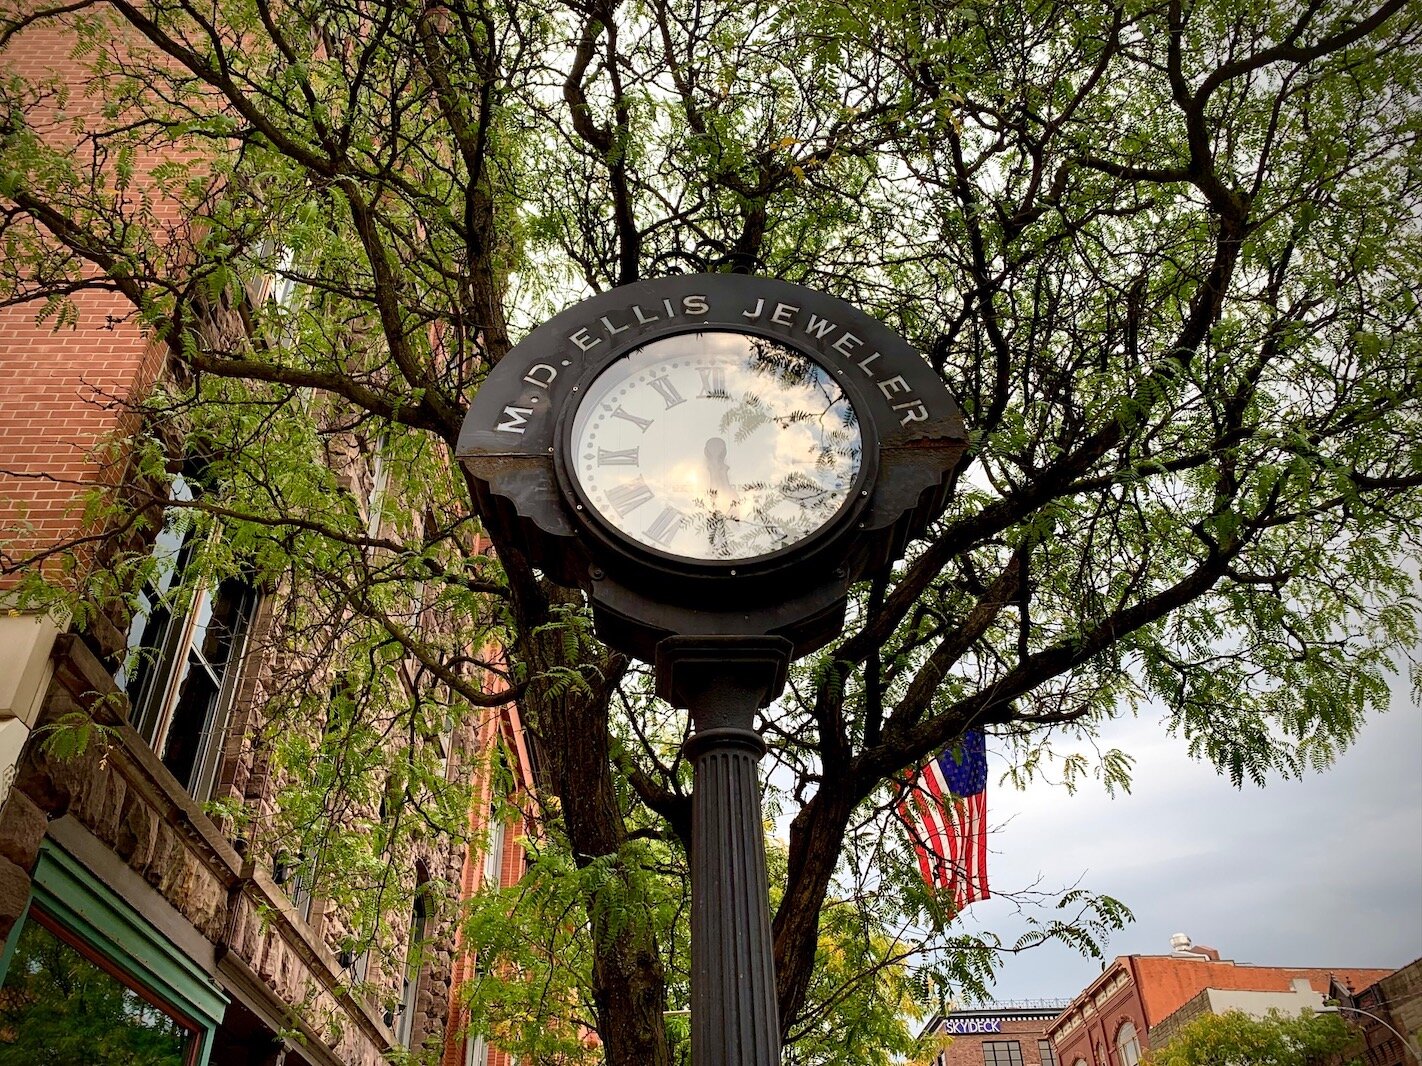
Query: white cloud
[[1324, 871]]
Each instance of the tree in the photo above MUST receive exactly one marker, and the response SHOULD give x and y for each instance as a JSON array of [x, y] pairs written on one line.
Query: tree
[[1164, 254], [1237, 1039]]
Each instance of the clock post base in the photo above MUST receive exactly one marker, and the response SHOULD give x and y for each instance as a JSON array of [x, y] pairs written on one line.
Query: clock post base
[[722, 681]]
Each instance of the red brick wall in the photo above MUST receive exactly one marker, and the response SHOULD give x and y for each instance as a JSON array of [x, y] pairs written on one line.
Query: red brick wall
[[62, 391], [1167, 983], [1095, 1040], [511, 869], [62, 395], [1145, 989], [967, 1049]]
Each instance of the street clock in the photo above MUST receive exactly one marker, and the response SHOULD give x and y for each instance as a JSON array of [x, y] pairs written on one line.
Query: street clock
[[715, 459], [712, 454]]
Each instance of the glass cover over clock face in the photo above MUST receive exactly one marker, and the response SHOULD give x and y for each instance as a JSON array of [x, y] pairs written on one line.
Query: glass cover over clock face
[[716, 446]]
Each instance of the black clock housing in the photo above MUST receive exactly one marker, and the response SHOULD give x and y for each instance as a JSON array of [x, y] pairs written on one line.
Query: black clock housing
[[515, 437]]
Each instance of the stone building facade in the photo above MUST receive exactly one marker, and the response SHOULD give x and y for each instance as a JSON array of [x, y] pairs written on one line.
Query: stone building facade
[[106, 853], [122, 863]]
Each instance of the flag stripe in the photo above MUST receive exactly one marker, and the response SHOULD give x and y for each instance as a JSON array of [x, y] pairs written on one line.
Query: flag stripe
[[925, 818], [944, 840], [946, 847], [935, 832]]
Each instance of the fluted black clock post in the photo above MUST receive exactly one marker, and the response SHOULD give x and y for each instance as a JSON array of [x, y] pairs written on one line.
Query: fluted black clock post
[[715, 460], [723, 682]]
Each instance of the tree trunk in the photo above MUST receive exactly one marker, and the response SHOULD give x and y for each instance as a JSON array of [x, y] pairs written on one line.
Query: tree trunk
[[816, 839], [570, 726]]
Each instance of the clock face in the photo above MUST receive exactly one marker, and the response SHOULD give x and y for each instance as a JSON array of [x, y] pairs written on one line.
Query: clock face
[[716, 446]]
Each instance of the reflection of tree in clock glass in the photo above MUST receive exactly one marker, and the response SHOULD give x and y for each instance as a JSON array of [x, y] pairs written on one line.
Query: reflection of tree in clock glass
[[715, 446]]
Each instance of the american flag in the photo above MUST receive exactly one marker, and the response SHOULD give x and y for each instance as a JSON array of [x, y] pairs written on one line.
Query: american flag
[[945, 809]]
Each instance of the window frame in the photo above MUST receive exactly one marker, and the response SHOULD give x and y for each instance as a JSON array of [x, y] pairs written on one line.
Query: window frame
[[495, 839], [86, 914], [1135, 1044], [160, 662], [994, 1050], [414, 965], [187, 657], [379, 486], [300, 882]]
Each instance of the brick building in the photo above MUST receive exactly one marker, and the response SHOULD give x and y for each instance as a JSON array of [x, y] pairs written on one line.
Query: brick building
[[1387, 1015], [997, 1034], [142, 858], [1139, 1001]]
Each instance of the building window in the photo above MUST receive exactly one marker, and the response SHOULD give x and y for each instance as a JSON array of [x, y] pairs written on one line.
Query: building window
[[184, 645], [153, 608], [84, 973], [379, 482], [419, 916], [355, 960], [1049, 1056], [58, 995], [494, 848], [283, 285], [1128, 1046], [1002, 1053], [1079, 1062], [297, 874], [476, 1051]]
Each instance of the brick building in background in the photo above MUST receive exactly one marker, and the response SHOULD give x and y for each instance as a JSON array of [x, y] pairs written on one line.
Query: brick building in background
[[997, 1034], [1140, 1001], [184, 924], [1388, 1017]]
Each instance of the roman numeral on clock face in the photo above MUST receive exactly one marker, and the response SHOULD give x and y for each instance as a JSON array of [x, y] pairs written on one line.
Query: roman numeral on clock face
[[629, 457], [713, 381], [628, 496], [667, 391], [666, 526], [640, 423]]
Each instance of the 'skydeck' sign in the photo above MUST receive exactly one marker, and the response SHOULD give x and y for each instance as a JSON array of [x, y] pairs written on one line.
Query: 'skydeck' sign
[[972, 1026]]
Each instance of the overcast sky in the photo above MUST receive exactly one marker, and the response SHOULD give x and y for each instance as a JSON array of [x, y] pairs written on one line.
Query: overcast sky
[[1321, 872]]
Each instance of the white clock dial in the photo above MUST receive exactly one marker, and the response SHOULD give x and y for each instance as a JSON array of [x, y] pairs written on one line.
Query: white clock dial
[[716, 446]]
